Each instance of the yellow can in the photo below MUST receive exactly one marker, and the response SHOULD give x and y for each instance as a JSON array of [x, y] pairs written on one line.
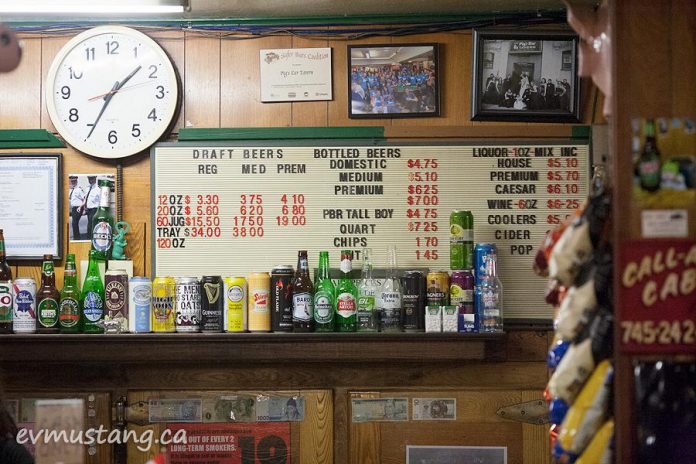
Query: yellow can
[[259, 302], [163, 304], [235, 304]]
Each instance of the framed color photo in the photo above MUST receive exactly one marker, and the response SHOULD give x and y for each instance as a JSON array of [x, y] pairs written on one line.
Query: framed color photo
[[393, 81], [525, 77], [31, 205]]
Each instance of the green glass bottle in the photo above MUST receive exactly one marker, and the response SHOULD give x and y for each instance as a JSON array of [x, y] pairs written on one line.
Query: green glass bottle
[[69, 308], [324, 295], [649, 162], [346, 296], [92, 297], [103, 224]]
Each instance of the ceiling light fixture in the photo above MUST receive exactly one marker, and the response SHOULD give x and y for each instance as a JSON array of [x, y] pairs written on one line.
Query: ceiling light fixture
[[49, 7]]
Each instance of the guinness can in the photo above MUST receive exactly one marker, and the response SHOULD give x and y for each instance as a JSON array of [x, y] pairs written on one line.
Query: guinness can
[[212, 304]]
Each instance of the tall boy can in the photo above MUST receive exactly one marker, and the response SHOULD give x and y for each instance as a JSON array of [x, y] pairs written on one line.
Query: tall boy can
[[235, 304], [462, 296], [139, 305], [461, 240], [259, 304], [212, 304], [24, 306], [116, 300], [163, 304], [483, 252], [413, 301], [188, 305], [281, 298]]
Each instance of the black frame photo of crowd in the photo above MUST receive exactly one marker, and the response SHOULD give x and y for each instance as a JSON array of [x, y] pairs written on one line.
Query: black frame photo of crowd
[[393, 81], [518, 76]]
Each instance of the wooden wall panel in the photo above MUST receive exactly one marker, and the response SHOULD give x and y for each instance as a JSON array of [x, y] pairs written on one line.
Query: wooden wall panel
[[20, 90], [202, 84], [311, 114]]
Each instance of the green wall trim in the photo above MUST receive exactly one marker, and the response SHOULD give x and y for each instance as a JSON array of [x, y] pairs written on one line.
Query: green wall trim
[[29, 138], [581, 132], [274, 133]]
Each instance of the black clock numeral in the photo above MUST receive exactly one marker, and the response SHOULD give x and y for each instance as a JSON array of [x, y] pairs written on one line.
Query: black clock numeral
[[160, 92], [74, 74], [65, 92], [90, 53], [135, 132], [112, 137], [152, 115], [153, 73], [74, 117], [112, 48], [135, 51]]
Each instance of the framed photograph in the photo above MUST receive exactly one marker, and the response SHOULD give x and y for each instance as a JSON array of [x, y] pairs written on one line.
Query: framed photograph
[[525, 77], [31, 205], [84, 196], [451, 454], [393, 81]]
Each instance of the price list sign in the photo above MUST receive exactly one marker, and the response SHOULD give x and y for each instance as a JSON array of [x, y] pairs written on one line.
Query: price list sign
[[233, 210]]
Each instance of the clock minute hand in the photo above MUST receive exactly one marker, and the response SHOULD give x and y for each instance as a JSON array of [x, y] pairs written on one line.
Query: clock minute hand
[[128, 77], [107, 100]]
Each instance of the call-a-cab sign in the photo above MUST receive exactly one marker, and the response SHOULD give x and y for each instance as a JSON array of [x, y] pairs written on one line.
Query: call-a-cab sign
[[657, 299]]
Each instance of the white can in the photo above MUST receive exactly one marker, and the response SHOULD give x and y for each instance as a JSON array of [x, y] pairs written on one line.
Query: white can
[[24, 306], [139, 305]]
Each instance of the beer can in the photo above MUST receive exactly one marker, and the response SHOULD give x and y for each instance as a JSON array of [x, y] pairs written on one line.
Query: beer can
[[5, 307], [483, 252], [116, 301], [188, 305], [281, 298], [413, 301], [259, 305], [462, 296], [437, 289], [139, 305], [235, 310], [461, 240], [163, 304], [24, 306], [212, 303]]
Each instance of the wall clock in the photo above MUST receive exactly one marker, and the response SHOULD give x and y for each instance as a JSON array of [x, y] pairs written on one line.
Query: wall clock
[[112, 92]]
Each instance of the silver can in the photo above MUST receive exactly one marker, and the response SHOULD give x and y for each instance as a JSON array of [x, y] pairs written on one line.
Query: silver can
[[24, 306], [188, 305], [139, 305]]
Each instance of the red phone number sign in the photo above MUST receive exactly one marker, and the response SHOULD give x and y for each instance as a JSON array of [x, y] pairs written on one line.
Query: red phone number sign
[[657, 313], [232, 443]]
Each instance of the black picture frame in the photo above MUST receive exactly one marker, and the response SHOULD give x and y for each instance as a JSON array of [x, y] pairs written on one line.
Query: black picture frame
[[515, 87], [400, 95]]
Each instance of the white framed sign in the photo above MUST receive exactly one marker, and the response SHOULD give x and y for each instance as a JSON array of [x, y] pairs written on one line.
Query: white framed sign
[[295, 74]]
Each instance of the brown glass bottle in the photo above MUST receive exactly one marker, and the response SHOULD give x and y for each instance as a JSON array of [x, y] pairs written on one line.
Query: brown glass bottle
[[47, 298], [303, 296], [5, 290]]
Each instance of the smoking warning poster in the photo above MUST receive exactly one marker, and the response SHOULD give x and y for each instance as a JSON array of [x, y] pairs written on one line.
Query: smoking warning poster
[[232, 443]]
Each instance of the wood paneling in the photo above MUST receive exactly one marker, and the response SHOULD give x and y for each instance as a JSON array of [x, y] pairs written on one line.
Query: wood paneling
[[20, 90], [311, 114], [202, 81]]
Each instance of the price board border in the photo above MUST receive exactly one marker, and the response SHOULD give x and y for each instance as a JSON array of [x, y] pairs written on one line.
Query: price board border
[[530, 322]]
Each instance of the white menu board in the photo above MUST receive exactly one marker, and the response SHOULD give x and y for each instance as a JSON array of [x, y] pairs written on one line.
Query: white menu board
[[233, 210]]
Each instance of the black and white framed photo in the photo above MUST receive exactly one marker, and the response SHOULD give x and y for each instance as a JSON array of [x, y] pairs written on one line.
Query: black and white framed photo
[[525, 77], [393, 81]]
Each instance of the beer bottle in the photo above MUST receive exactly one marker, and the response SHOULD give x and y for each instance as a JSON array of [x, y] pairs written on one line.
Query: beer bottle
[[92, 297], [69, 308], [324, 294], [302, 298], [47, 298], [5, 289], [649, 161], [346, 296], [103, 224], [367, 290], [389, 296]]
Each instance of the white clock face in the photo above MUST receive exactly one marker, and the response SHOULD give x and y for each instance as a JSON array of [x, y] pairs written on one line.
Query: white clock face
[[111, 92]]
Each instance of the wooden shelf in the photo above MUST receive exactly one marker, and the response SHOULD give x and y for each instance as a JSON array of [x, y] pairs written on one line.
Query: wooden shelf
[[250, 348]]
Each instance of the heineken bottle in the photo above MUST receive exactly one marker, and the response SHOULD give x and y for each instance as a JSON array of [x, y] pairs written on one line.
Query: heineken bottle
[[92, 297], [47, 298], [69, 307], [103, 224], [346, 296], [324, 294], [367, 290]]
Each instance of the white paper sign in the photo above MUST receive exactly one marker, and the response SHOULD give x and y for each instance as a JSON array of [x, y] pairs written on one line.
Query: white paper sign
[[661, 223], [295, 74]]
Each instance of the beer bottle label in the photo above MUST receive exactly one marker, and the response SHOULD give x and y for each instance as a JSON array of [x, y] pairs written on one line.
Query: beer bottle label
[[323, 309], [68, 315], [101, 236], [48, 312], [302, 305], [93, 307], [115, 293], [47, 268], [346, 305], [5, 302]]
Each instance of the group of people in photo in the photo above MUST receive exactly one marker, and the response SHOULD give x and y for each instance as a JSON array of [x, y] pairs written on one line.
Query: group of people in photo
[[401, 88], [518, 91]]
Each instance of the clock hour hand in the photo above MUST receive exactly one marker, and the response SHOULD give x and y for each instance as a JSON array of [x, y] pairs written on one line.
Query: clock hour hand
[[107, 100]]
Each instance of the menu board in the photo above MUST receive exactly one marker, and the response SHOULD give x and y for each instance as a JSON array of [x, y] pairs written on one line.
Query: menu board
[[236, 209]]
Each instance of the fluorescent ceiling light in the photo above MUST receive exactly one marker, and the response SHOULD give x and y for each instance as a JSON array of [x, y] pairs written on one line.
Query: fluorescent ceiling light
[[92, 6]]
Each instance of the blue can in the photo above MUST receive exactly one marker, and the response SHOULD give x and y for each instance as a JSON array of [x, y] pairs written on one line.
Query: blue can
[[483, 252], [140, 305]]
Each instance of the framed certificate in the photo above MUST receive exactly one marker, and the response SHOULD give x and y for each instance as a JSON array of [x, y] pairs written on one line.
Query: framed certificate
[[31, 207]]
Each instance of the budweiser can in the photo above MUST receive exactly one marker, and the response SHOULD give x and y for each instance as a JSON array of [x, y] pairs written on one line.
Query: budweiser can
[[24, 306], [116, 301], [259, 304], [188, 305], [140, 305], [163, 304], [235, 304]]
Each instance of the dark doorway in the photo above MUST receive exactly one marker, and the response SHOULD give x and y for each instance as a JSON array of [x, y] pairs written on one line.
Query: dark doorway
[[520, 68]]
